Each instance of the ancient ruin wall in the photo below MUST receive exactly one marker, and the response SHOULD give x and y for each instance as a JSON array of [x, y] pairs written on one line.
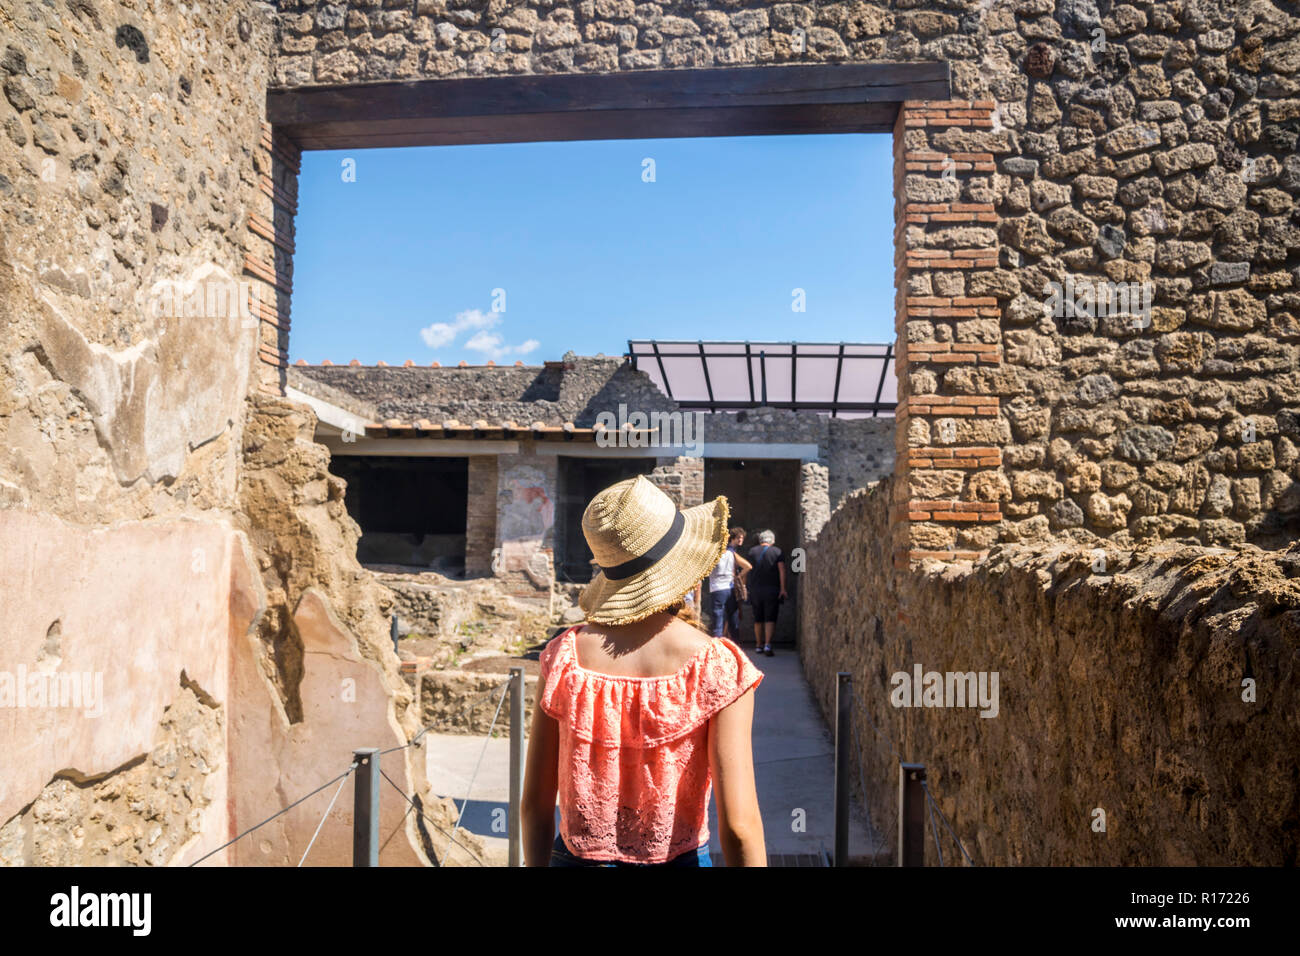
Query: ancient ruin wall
[[127, 173], [135, 172], [1145, 142], [126, 166], [1120, 689], [134, 153], [314, 673]]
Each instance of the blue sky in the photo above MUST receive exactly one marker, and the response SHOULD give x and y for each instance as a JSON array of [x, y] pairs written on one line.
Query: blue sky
[[404, 262]]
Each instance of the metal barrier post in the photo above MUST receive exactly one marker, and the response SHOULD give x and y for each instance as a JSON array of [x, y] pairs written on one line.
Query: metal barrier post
[[365, 808], [515, 835], [911, 814], [843, 714]]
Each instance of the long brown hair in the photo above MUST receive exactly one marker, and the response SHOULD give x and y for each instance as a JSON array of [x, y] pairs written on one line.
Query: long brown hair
[[690, 615]]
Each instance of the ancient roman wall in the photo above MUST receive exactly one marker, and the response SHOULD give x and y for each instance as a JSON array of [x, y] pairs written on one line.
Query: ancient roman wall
[[578, 389], [1129, 143], [1120, 690], [1148, 145], [127, 174], [168, 675]]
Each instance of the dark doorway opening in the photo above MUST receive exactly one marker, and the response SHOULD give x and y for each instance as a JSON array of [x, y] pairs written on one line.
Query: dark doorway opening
[[411, 510], [763, 495], [578, 481]]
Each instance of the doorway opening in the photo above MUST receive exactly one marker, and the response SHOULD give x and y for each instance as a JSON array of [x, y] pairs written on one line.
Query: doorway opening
[[578, 481], [411, 510], [764, 496]]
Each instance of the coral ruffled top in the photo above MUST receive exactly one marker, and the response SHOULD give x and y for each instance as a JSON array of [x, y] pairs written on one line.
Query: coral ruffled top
[[634, 779]]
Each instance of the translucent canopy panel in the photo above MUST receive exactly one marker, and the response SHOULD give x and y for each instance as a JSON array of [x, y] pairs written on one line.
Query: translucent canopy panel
[[845, 379]]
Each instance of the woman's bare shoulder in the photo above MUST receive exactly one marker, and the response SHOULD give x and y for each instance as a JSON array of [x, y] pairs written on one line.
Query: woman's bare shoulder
[[687, 637]]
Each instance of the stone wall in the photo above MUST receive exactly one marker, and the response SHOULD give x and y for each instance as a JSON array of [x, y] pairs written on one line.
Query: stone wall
[[1145, 145], [522, 393], [313, 665], [1120, 689], [858, 451], [99, 698], [356, 42], [76, 822], [814, 500], [127, 179], [682, 479], [458, 702], [572, 390]]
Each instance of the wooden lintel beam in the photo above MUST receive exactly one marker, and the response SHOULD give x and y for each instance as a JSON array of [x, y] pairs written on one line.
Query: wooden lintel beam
[[767, 100]]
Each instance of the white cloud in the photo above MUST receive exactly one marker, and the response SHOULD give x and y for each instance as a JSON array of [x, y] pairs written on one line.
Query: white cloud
[[487, 342], [444, 333], [493, 345], [438, 334]]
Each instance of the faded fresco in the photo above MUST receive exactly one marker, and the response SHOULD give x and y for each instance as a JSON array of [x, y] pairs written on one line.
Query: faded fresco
[[526, 516]]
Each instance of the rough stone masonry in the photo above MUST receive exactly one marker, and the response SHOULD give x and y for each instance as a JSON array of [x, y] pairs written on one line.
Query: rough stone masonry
[[1086, 144], [1122, 683], [1112, 144]]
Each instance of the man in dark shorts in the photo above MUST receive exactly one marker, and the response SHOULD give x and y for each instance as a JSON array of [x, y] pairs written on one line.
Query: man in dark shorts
[[766, 588]]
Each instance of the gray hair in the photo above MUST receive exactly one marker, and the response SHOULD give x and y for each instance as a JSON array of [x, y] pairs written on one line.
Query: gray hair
[[766, 537]]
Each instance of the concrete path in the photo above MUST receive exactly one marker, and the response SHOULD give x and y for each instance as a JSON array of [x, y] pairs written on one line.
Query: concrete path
[[793, 769]]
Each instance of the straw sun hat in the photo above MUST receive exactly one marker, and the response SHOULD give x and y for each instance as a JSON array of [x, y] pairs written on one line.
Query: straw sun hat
[[647, 553]]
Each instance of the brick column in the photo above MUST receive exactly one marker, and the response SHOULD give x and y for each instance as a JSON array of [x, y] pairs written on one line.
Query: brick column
[[948, 485], [268, 258], [481, 515]]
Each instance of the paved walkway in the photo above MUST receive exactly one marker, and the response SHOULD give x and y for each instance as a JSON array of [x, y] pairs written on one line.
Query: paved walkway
[[793, 769]]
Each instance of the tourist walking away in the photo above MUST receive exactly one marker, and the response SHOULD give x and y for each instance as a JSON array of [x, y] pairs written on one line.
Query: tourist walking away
[[766, 589], [723, 580], [639, 715]]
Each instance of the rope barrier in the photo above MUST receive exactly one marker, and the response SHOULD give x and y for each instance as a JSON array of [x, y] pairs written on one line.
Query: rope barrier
[[934, 830], [478, 765], [862, 782], [341, 780], [882, 836], [324, 815], [930, 796], [431, 823], [893, 827], [933, 805], [879, 733], [341, 776]]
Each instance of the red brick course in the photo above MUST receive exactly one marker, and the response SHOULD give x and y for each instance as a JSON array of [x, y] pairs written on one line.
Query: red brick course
[[916, 260]]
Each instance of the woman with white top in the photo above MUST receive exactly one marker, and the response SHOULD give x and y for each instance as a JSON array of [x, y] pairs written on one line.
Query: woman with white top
[[729, 574]]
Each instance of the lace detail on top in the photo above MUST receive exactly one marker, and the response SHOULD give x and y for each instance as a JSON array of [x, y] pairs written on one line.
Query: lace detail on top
[[634, 778]]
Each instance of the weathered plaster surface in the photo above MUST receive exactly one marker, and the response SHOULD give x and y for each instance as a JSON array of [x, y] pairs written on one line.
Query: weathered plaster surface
[[139, 605]]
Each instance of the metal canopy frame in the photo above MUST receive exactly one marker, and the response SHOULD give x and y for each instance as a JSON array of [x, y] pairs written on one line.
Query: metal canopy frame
[[869, 368]]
